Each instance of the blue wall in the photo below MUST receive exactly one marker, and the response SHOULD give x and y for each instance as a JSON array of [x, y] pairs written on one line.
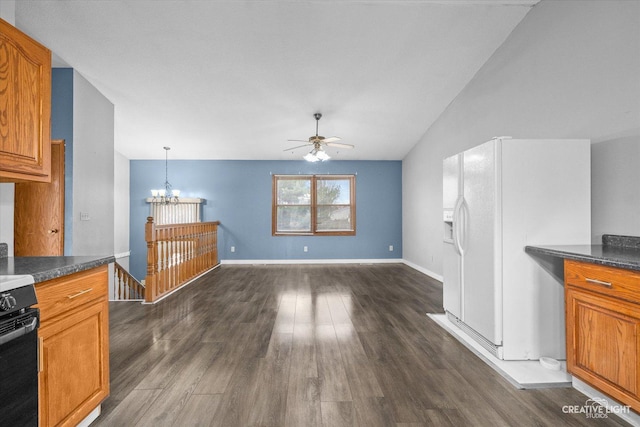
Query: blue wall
[[238, 194], [62, 128]]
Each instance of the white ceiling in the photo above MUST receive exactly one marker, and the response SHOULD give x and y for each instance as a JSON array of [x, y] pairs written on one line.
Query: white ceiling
[[237, 79]]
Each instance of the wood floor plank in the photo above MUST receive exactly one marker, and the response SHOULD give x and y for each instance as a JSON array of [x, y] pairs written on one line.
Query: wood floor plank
[[338, 414], [217, 376], [358, 368], [310, 345], [339, 313], [270, 395], [303, 389], [165, 409], [236, 402], [130, 410], [305, 364], [198, 411], [373, 412], [286, 313], [322, 313], [303, 401], [334, 384]]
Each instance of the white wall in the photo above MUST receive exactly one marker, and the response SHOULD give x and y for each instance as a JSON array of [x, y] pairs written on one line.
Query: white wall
[[93, 169], [615, 181], [7, 192], [8, 11], [121, 204], [569, 70]]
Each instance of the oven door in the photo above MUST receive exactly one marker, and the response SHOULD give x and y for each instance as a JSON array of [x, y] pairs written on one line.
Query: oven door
[[19, 369]]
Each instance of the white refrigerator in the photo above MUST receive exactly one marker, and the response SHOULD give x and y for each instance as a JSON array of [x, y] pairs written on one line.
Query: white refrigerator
[[499, 197]]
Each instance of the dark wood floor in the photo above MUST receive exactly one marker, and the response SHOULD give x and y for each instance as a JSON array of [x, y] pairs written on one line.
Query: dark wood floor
[[309, 345]]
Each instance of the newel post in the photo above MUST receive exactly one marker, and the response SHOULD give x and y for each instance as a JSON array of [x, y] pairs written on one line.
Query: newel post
[[152, 260]]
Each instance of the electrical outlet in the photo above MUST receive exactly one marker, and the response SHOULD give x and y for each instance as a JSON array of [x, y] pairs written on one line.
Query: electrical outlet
[[390, 248], [84, 216], [233, 248], [305, 249]]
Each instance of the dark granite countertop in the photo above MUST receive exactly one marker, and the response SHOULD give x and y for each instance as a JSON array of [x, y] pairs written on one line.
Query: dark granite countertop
[[46, 268], [615, 251]]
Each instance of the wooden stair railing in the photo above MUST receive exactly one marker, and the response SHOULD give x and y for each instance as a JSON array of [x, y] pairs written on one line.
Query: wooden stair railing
[[177, 253], [127, 287]]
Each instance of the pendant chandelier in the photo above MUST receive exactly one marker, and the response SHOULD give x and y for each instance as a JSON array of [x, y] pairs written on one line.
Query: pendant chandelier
[[165, 195]]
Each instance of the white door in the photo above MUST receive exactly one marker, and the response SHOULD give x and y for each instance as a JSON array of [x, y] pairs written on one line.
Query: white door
[[480, 242]]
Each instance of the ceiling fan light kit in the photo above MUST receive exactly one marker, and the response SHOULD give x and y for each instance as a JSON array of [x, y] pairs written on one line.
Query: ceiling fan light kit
[[317, 142]]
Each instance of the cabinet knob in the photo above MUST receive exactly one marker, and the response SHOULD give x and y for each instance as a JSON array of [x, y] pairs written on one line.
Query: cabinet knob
[[53, 231]]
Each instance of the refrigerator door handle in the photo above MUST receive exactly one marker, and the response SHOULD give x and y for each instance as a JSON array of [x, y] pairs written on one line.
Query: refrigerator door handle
[[456, 226], [462, 224]]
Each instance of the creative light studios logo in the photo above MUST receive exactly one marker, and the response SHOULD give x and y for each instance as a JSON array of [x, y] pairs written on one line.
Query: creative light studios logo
[[596, 407]]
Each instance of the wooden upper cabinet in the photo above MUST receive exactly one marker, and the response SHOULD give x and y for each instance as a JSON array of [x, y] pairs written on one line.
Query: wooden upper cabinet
[[25, 107]]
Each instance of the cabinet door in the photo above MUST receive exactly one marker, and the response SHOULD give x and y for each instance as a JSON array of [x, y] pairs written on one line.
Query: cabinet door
[[25, 107], [603, 344], [75, 365]]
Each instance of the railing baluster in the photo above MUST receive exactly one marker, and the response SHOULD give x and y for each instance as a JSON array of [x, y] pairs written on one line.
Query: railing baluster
[[180, 253], [126, 286]]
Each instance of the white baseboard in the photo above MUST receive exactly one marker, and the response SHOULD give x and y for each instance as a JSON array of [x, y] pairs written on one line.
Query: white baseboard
[[91, 417], [423, 270], [332, 261], [311, 261]]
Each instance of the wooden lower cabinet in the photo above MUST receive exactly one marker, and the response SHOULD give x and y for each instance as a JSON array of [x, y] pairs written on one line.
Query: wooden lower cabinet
[[603, 329], [74, 346]]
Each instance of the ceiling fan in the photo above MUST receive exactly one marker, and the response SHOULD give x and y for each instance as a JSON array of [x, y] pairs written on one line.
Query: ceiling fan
[[317, 142]]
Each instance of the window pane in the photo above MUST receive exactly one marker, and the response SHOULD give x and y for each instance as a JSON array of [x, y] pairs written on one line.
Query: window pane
[[294, 218], [294, 191], [334, 218], [334, 191]]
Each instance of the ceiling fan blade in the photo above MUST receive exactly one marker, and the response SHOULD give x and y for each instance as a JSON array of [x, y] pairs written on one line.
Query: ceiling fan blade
[[299, 146], [298, 140], [340, 145], [331, 139]]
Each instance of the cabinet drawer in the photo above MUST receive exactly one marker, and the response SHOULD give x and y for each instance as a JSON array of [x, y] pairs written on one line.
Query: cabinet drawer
[[58, 296], [614, 282]]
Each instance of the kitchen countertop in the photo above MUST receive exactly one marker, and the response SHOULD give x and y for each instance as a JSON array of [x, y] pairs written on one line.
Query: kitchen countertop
[[47, 268], [616, 251]]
